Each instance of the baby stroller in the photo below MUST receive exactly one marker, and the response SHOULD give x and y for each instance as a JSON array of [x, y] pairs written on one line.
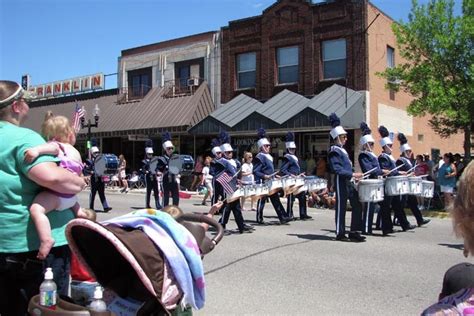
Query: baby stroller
[[128, 263]]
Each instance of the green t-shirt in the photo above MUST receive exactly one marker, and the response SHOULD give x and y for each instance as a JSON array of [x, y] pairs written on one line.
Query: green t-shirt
[[17, 191]]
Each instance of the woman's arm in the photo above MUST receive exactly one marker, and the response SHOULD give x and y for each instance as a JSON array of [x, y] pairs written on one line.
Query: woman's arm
[[51, 148], [51, 176]]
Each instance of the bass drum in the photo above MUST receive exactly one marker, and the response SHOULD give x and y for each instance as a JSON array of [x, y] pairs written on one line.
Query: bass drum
[[153, 164], [106, 164], [175, 165]]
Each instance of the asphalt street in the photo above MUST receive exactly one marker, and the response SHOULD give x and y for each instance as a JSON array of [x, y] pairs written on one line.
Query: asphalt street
[[299, 269]]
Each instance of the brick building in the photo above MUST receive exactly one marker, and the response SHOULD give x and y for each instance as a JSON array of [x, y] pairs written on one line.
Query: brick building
[[306, 47]]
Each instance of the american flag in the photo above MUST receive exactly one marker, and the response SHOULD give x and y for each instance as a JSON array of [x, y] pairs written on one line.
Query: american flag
[[76, 118], [227, 182]]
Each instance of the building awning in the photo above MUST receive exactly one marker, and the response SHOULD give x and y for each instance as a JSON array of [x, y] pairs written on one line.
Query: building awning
[[286, 110], [348, 104], [154, 111]]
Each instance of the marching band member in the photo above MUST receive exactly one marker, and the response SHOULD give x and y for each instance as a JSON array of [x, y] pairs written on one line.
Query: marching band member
[[215, 170], [388, 163], [410, 200], [231, 168], [264, 170], [290, 167], [368, 161], [341, 166], [151, 180], [170, 180], [97, 185]]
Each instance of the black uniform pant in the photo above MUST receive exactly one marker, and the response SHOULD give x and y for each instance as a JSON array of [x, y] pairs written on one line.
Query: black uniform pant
[[173, 188], [152, 185], [385, 214], [345, 190], [218, 193], [275, 199], [398, 204], [368, 216], [412, 203], [97, 186], [290, 200], [233, 207]]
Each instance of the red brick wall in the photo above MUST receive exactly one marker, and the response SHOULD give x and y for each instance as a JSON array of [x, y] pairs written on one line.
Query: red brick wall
[[295, 23]]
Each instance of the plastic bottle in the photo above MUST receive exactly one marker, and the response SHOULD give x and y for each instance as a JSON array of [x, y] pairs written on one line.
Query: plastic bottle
[[48, 290], [97, 304]]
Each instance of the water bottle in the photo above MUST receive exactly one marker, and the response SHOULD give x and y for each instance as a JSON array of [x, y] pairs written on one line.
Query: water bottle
[[97, 304], [48, 290]]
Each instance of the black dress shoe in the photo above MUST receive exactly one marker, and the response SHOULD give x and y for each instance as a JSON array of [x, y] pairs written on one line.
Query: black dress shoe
[[355, 236], [285, 220], [367, 233], [248, 227], [342, 237], [387, 232], [409, 227], [424, 222], [305, 217], [107, 209]]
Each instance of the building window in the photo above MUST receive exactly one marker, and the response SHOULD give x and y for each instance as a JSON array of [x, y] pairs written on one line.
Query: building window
[[288, 64], [139, 82], [187, 70], [390, 57], [246, 70], [421, 138], [334, 59]]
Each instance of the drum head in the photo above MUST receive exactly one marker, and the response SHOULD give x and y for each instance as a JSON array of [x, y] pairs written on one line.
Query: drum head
[[175, 165], [100, 165], [153, 164]]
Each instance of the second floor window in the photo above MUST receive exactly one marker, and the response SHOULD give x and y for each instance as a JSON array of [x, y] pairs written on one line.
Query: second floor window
[[246, 70], [390, 57], [139, 82], [288, 64], [334, 59]]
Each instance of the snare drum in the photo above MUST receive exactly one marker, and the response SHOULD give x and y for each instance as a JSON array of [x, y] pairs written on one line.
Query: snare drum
[[415, 184], [397, 185], [317, 184], [249, 190], [274, 186], [427, 189], [370, 190], [236, 195], [299, 182], [261, 190], [106, 164]]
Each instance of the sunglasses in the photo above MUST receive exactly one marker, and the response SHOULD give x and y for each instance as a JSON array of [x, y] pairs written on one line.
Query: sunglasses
[[169, 148], [266, 145]]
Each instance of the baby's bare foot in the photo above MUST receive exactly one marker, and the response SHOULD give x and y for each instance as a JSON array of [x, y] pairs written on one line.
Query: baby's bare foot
[[45, 248]]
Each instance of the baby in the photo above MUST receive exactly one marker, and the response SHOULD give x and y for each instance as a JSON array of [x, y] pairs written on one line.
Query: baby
[[61, 139]]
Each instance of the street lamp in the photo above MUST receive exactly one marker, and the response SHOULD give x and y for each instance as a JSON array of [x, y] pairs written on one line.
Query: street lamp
[[89, 124]]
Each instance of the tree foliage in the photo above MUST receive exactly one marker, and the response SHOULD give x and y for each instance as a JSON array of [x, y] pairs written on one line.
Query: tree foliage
[[437, 48]]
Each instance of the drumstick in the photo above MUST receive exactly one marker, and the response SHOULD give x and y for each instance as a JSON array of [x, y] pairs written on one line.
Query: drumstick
[[396, 168], [368, 172], [412, 168]]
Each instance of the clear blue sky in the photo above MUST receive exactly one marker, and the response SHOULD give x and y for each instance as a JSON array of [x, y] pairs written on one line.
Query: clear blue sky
[[61, 39]]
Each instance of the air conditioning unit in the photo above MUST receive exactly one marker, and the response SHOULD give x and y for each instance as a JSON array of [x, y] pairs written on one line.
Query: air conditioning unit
[[193, 82], [394, 81]]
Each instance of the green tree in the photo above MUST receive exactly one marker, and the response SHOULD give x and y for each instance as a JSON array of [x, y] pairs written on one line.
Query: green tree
[[438, 50]]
